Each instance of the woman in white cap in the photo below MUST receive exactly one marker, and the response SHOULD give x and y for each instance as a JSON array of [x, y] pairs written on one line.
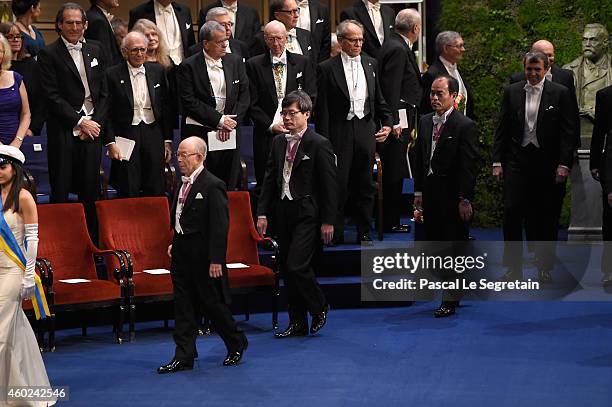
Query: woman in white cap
[[21, 363]]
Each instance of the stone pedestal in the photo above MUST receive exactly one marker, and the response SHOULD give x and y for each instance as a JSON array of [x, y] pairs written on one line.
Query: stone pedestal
[[585, 223]]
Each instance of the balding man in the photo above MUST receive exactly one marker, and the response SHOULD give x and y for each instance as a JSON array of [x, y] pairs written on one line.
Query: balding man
[[200, 219], [272, 76], [351, 111], [142, 89], [450, 48], [400, 81], [224, 17]]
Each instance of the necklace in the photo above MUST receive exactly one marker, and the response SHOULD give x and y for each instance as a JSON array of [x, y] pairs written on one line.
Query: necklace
[[25, 28]]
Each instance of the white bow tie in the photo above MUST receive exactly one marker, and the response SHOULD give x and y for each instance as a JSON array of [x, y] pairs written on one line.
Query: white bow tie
[[214, 64], [75, 47], [186, 180], [292, 137], [233, 8], [532, 88], [374, 6], [303, 3], [438, 120], [167, 9], [279, 60], [356, 59], [292, 33], [138, 71]]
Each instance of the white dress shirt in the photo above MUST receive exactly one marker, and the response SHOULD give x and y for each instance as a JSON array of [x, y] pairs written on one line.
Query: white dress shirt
[[292, 42], [217, 83], [532, 105], [304, 20], [166, 20], [454, 72], [77, 57], [376, 17], [357, 85], [279, 86], [182, 196], [140, 92]]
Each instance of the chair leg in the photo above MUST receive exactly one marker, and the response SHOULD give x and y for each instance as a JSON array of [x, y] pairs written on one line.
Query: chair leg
[[275, 295], [52, 333], [119, 323]]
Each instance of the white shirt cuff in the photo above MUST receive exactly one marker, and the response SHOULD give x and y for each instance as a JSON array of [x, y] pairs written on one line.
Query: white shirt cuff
[[418, 193], [497, 165]]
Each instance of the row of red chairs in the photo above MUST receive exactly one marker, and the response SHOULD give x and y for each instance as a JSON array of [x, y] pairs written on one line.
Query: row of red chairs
[[135, 234]]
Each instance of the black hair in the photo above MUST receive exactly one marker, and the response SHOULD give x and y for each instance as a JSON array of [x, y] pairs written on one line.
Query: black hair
[[20, 7], [300, 98]]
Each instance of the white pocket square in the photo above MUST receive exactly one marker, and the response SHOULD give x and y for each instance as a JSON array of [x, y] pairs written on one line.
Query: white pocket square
[[299, 75], [199, 196], [187, 25], [550, 108], [94, 62], [320, 20], [236, 81], [305, 158], [374, 74], [122, 81], [156, 86], [309, 48]]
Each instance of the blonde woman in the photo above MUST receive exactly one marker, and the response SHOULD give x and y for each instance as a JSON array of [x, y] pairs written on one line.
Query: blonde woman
[[14, 106], [157, 49]]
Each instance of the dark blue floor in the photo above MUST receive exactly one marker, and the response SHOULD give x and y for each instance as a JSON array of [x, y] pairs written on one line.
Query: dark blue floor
[[490, 354]]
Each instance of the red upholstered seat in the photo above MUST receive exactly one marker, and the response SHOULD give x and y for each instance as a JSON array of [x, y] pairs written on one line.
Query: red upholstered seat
[[65, 243], [242, 248]]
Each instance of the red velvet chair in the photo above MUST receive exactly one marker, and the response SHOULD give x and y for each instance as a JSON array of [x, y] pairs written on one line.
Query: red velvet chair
[[140, 228], [66, 251], [242, 248]]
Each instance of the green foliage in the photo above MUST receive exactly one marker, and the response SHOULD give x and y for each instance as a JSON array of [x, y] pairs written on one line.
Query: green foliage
[[497, 34]]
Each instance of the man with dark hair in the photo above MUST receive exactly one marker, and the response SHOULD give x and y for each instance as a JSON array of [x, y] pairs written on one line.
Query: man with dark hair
[[73, 79], [351, 111], [173, 19], [601, 170], [450, 48], [445, 170], [246, 23], [301, 179], [99, 28], [214, 91], [400, 81], [223, 17], [533, 152], [272, 76], [299, 40], [141, 88], [376, 18]]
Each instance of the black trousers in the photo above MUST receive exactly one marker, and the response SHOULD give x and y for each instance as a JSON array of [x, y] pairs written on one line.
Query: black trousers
[[606, 229], [299, 240], [531, 199], [143, 174], [262, 144], [193, 288], [74, 166], [354, 145], [224, 164]]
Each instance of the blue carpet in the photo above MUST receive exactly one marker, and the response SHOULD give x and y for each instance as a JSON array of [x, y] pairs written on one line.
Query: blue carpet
[[490, 354]]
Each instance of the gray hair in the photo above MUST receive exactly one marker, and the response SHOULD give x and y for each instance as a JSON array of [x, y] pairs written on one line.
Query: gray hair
[[132, 34], [407, 19], [445, 38], [533, 57], [216, 12], [342, 28], [206, 32], [603, 32]]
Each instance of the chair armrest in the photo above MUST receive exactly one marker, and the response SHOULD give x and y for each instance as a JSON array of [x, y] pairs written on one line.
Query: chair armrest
[[119, 273], [244, 176], [271, 242], [169, 178], [129, 270], [45, 271]]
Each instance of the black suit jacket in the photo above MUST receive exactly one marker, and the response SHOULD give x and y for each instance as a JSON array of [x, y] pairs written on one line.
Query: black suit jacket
[[99, 29], [196, 92], [238, 47], [303, 38], [601, 142], [436, 69], [183, 16], [248, 23], [359, 12], [333, 100], [400, 77], [555, 125], [264, 101], [206, 217], [455, 158], [320, 29], [313, 176], [63, 87], [121, 99]]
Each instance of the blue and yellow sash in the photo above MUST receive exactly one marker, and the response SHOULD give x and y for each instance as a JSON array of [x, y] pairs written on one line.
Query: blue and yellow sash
[[10, 247]]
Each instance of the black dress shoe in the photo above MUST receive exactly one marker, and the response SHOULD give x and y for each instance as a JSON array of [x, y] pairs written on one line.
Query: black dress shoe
[[319, 320], [294, 329], [365, 239], [606, 280], [398, 229], [445, 310], [544, 277], [511, 276], [233, 358], [175, 365]]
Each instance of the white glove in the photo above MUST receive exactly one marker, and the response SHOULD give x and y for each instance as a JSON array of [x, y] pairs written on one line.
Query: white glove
[[31, 242]]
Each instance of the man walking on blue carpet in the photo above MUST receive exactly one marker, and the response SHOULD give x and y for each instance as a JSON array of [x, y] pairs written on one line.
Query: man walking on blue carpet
[[200, 219], [301, 177]]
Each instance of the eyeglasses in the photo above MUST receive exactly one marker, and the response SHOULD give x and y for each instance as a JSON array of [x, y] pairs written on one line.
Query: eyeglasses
[[275, 39], [458, 46], [11, 37], [229, 24], [290, 114], [183, 156], [353, 41], [294, 11], [136, 51]]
